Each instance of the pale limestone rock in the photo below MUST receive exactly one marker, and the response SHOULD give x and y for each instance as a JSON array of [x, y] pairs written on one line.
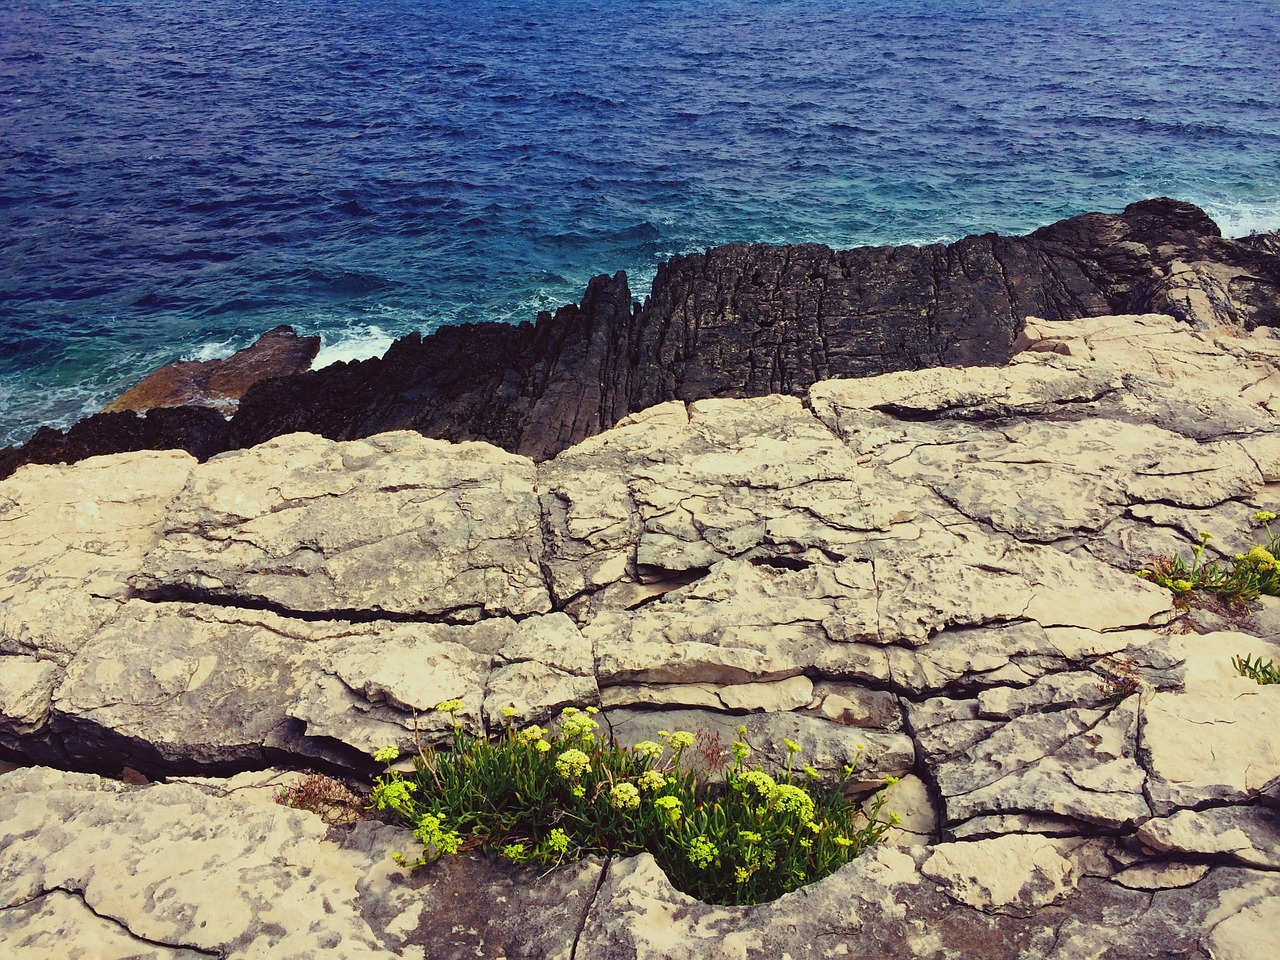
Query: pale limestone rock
[[917, 819], [852, 705], [205, 684], [591, 528], [26, 688], [160, 862], [384, 692], [777, 697], [920, 594], [1249, 835], [70, 537], [999, 824], [1077, 762], [773, 697], [1012, 872], [742, 624], [397, 523], [702, 695], [544, 665], [1035, 384], [1245, 923], [1160, 876], [59, 924], [1219, 738], [192, 683]]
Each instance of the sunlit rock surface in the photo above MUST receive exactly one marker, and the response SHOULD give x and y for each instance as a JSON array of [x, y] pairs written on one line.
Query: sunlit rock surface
[[935, 567]]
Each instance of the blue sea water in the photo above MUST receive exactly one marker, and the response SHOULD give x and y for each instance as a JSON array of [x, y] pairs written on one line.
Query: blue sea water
[[177, 177]]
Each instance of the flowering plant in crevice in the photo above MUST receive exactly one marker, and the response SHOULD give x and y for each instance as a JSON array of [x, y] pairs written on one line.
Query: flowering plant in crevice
[[534, 797], [1238, 581]]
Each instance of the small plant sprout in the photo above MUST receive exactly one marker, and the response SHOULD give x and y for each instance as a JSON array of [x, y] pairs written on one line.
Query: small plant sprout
[[1264, 673], [542, 798]]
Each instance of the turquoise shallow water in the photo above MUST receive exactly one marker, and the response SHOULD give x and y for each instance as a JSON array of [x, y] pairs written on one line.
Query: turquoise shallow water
[[176, 178]]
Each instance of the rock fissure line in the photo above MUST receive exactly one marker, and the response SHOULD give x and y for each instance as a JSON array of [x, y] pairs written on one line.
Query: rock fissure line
[[123, 926], [173, 593], [586, 914], [922, 769], [1049, 754]]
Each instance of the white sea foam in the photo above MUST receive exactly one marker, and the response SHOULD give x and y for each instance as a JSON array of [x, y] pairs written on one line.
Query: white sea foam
[[215, 350], [55, 406], [354, 343], [1241, 218]]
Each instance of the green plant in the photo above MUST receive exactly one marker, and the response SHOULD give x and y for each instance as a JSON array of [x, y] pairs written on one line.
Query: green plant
[[1259, 671], [1246, 577], [330, 798], [1260, 561], [538, 798]]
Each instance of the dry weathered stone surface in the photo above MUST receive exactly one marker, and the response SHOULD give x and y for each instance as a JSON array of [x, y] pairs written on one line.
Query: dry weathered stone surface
[[398, 524], [932, 571]]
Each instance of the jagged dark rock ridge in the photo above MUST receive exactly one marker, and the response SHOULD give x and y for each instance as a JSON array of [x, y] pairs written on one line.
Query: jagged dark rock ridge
[[736, 321]]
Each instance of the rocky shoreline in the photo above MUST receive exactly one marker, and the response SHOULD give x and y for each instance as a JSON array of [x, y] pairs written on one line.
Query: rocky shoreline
[[935, 565], [736, 321]]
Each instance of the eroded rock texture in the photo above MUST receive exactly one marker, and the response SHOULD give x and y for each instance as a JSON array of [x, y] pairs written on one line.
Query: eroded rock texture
[[737, 321], [934, 565]]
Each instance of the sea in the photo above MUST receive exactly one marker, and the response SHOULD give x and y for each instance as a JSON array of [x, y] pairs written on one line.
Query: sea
[[177, 177]]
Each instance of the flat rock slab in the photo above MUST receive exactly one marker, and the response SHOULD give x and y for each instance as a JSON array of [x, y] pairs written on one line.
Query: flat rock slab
[[396, 524]]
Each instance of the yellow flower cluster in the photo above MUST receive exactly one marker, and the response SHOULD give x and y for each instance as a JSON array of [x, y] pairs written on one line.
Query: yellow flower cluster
[[671, 806], [758, 780], [624, 797], [648, 749], [431, 832], [531, 735], [652, 780], [681, 740], [572, 764], [578, 726], [1260, 558], [558, 840], [702, 852], [793, 799], [391, 794]]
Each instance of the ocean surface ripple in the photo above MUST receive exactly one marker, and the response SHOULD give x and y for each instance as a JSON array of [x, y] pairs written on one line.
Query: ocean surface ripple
[[176, 178]]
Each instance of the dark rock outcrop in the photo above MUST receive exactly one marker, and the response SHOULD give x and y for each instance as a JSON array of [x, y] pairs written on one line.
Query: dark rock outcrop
[[201, 431], [752, 320]]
